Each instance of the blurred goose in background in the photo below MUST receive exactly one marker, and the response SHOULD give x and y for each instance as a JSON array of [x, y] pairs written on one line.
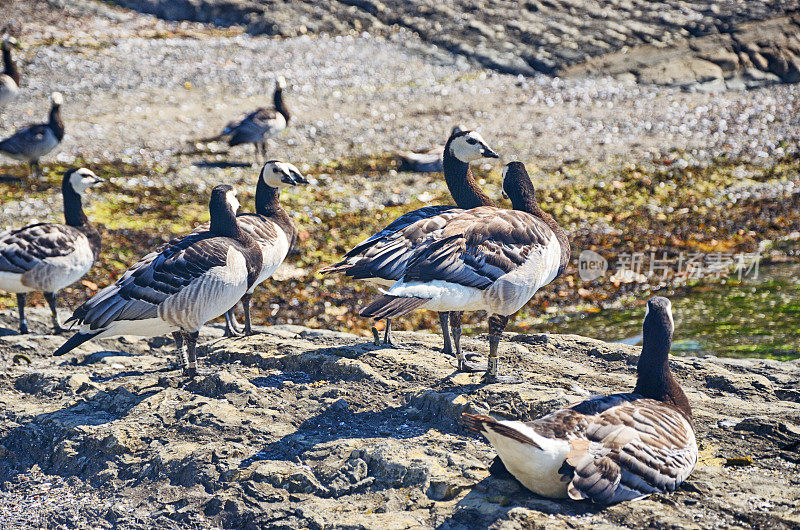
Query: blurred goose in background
[[179, 288], [272, 229], [9, 79], [47, 257], [486, 258], [612, 448], [382, 258], [32, 142], [261, 124]]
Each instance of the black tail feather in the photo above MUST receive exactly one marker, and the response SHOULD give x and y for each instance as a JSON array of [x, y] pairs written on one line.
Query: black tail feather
[[479, 423], [73, 342], [388, 306]]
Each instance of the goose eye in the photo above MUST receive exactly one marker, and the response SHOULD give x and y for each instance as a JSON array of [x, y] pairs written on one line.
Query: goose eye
[[472, 141]]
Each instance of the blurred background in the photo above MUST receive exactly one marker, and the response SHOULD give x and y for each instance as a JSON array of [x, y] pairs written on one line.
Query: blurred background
[[663, 136]]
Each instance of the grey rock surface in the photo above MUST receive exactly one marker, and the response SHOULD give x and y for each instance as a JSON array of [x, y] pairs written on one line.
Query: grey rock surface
[[301, 428], [548, 36]]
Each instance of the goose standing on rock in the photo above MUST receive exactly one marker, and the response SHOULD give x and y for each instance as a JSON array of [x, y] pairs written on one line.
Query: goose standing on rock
[[612, 448], [179, 288], [9, 79], [47, 257], [486, 258], [261, 124], [382, 258], [270, 226], [34, 141]]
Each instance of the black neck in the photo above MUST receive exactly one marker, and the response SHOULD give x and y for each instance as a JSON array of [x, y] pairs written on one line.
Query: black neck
[[73, 208], [461, 182], [9, 67], [223, 222], [654, 377], [55, 122], [267, 200], [280, 105], [523, 198]]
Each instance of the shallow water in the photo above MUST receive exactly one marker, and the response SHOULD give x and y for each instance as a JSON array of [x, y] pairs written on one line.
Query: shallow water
[[755, 318]]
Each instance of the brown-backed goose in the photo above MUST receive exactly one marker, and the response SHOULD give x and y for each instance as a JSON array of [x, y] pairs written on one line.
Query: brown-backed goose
[[261, 124], [9, 79], [47, 257], [32, 142], [179, 288], [270, 226], [486, 258], [607, 449], [380, 261]]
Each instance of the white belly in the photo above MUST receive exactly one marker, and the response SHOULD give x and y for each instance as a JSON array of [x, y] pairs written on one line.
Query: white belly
[[149, 327], [272, 256], [12, 283], [53, 274], [443, 296], [535, 468]]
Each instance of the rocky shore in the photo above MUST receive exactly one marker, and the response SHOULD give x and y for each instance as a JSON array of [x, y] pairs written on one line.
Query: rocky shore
[[304, 428]]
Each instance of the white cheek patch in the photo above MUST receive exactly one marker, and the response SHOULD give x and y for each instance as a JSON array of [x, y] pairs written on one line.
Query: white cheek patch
[[233, 201]]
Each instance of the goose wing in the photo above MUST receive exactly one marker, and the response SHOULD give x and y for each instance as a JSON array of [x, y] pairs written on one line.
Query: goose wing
[[254, 126], [28, 248], [479, 246], [628, 448], [137, 294], [385, 254], [33, 137]]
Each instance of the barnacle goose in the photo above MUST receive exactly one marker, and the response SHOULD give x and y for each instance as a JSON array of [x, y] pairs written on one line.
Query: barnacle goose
[[48, 257], [178, 288], [9, 79], [270, 226], [486, 258], [32, 142], [261, 124], [379, 260], [612, 448]]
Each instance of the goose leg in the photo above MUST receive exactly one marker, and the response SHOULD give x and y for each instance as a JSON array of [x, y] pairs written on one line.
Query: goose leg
[[444, 322], [232, 327], [23, 322], [497, 323], [51, 301], [248, 324], [463, 364], [190, 370], [178, 338]]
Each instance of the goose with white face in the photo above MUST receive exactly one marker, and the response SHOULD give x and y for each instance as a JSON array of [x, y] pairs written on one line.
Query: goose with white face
[[470, 147], [82, 179], [277, 174]]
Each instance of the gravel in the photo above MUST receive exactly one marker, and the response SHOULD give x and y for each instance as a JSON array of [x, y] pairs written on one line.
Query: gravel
[[146, 100]]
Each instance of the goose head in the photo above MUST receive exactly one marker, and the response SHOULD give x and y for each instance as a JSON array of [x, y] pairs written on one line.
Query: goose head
[[277, 174], [280, 83], [56, 99], [658, 323], [80, 179], [469, 146], [10, 42]]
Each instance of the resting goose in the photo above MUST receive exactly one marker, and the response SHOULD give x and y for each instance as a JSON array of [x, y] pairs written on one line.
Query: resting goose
[[607, 449], [260, 124], [486, 258], [381, 260], [47, 257], [179, 288], [34, 141], [9, 79], [270, 226]]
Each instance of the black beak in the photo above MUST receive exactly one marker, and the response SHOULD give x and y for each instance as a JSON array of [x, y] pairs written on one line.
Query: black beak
[[301, 179], [289, 179], [488, 153], [98, 180]]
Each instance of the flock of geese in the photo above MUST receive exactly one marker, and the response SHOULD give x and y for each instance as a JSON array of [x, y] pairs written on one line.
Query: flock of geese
[[473, 256]]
